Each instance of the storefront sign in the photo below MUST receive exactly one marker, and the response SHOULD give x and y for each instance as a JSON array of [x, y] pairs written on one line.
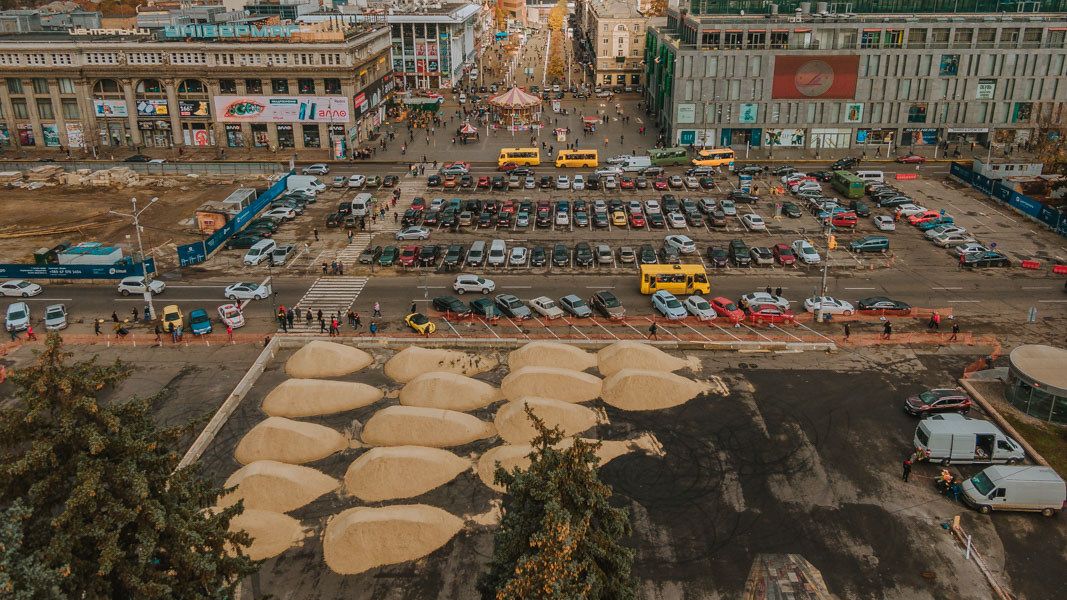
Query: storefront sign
[[152, 108], [968, 130], [287, 109], [922, 137], [853, 112], [229, 31], [749, 113], [110, 108], [875, 136], [986, 89], [358, 102], [108, 31], [194, 108], [26, 137], [687, 113], [789, 138], [696, 137], [801, 77]]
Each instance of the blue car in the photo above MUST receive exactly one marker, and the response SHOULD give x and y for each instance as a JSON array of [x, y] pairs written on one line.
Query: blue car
[[938, 222], [199, 322]]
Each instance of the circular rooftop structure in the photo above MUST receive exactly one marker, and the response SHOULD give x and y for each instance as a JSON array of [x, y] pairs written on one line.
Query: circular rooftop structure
[[1037, 381]]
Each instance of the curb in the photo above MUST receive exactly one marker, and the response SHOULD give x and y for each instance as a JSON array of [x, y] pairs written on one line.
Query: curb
[[1003, 423]]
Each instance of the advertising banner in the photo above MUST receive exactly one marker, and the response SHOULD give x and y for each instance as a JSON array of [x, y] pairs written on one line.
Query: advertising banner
[[26, 137], [986, 89], [284, 109], [197, 252], [152, 108], [749, 113], [50, 133], [75, 135], [788, 138], [687, 113], [115, 271], [853, 112], [110, 108], [194, 108], [801, 77], [921, 137]]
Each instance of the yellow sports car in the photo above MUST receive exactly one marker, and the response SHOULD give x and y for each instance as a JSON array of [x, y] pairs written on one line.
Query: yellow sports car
[[420, 323], [171, 314], [618, 218]]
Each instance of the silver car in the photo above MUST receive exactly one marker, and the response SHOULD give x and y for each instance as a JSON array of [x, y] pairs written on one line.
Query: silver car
[[55, 317]]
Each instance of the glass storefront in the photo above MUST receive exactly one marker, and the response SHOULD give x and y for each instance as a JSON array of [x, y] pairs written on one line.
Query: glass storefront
[[311, 135], [285, 136], [260, 139], [234, 136]]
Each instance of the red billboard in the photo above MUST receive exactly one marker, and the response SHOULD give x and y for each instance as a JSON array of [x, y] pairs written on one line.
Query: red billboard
[[809, 77]]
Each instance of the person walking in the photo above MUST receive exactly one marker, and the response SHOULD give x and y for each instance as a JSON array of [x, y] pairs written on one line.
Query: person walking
[[848, 332], [778, 292], [316, 232], [173, 333], [308, 317], [325, 267], [283, 323], [290, 316], [114, 316], [32, 336], [14, 335], [652, 329], [887, 330], [373, 328], [159, 335], [907, 469], [229, 333], [96, 326], [955, 331], [414, 308], [937, 321], [377, 310], [322, 323], [356, 321]]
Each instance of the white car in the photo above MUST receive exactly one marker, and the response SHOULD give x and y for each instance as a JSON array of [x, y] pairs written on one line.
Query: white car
[[18, 316], [134, 284], [578, 183], [20, 287], [563, 218], [754, 222], [546, 307], [231, 315], [806, 253], [605, 171], [758, 298], [283, 213], [356, 181], [728, 208], [699, 308], [907, 210], [652, 207], [885, 223], [937, 232], [668, 306], [954, 239], [340, 181], [529, 183], [610, 182], [55, 317], [600, 206], [676, 220], [634, 206], [829, 305], [473, 283], [682, 243], [970, 248], [247, 291], [519, 256], [413, 233], [316, 169], [691, 182], [563, 182]]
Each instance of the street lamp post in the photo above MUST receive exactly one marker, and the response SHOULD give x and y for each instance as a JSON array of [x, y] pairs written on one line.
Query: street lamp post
[[135, 215]]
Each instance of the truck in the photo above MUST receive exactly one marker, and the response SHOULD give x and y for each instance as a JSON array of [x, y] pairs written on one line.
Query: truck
[[1015, 487], [304, 183], [953, 438]]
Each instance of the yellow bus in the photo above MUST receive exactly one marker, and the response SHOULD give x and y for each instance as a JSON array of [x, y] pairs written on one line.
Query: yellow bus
[[519, 156], [676, 279], [576, 158], [715, 158]]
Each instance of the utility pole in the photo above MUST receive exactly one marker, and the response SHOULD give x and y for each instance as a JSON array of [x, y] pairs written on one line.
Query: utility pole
[[135, 215], [825, 268]]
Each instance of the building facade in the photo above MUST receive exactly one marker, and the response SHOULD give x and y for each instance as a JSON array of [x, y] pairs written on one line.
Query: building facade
[[824, 81], [613, 32], [274, 87]]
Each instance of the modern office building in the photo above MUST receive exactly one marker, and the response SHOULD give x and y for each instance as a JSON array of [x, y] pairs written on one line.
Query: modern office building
[[890, 73], [613, 32], [241, 85]]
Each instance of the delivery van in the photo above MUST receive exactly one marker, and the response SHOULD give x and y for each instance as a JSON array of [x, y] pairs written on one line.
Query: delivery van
[[871, 176], [1015, 487], [259, 252], [635, 164], [304, 183], [954, 438], [497, 253], [361, 204]]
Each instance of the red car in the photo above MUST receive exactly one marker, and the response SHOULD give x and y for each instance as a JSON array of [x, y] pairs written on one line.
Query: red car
[[660, 183], [507, 167], [844, 219], [784, 254], [484, 182], [769, 313], [637, 220], [418, 202], [911, 159], [727, 309], [923, 217], [508, 207], [626, 183], [408, 256]]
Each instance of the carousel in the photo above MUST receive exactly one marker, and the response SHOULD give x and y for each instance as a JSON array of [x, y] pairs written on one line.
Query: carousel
[[516, 110], [467, 133]]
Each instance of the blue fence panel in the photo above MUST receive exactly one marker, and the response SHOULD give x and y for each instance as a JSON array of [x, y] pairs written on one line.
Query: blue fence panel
[[115, 271], [961, 172], [982, 183], [191, 254], [197, 252], [1025, 204], [1002, 193]]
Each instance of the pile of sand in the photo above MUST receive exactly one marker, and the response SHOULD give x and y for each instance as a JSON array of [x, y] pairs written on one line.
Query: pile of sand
[[514, 425], [413, 361], [326, 359], [360, 539], [551, 354], [275, 486], [449, 391], [312, 397], [638, 355], [634, 389], [288, 441], [419, 426], [272, 533], [401, 472], [549, 382]]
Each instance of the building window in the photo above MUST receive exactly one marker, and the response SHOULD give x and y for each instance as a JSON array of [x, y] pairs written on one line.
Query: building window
[[917, 113], [191, 86], [894, 38], [710, 39], [306, 86], [40, 85], [14, 86], [44, 109], [253, 86], [70, 109], [227, 86], [871, 39], [332, 85], [779, 39], [279, 86], [18, 106], [66, 86]]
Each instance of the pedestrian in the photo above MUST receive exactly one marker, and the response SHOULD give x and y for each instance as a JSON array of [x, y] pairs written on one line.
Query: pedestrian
[[373, 328], [316, 232], [887, 330], [768, 290], [937, 321], [283, 323], [652, 329], [14, 335], [325, 267], [377, 310], [229, 333], [173, 333], [356, 321], [349, 236], [340, 267], [778, 292], [955, 331], [322, 323], [413, 308], [308, 318], [159, 334], [320, 314], [96, 326], [290, 316], [29, 333], [907, 469], [848, 332], [114, 316]]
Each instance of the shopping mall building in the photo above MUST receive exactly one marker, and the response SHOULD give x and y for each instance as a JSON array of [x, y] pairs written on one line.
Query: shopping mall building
[[746, 73], [236, 86]]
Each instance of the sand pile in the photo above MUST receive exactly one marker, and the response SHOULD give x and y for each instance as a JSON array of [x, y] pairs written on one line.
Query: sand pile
[[413, 361], [272, 533], [275, 486], [449, 391], [288, 441], [549, 382], [312, 397], [638, 355], [419, 426], [551, 354], [326, 359], [611, 449], [401, 472], [362, 538], [514, 425], [634, 389]]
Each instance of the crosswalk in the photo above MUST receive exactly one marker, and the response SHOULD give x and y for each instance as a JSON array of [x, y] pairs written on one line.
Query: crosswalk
[[351, 252], [332, 294]]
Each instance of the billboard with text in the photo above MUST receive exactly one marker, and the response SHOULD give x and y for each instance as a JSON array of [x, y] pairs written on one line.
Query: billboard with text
[[809, 77], [282, 109]]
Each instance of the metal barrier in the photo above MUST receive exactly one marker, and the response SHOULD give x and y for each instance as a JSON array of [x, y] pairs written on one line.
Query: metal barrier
[[167, 168]]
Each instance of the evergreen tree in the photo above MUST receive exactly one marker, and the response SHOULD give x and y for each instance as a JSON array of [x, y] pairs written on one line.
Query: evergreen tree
[[23, 575], [103, 506], [559, 538]]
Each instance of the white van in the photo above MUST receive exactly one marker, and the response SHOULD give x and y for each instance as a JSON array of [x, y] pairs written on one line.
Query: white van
[[304, 183], [476, 255], [954, 438], [259, 252], [1017, 487], [497, 253], [634, 164], [361, 204], [871, 176]]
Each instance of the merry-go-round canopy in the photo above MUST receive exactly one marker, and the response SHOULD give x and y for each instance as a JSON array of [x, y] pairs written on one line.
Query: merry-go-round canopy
[[515, 98], [468, 129]]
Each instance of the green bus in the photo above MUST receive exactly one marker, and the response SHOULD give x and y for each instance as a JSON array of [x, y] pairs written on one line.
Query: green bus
[[665, 157], [848, 184]]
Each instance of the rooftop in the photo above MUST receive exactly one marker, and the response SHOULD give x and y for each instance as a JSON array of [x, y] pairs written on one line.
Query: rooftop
[[1043, 364], [788, 7]]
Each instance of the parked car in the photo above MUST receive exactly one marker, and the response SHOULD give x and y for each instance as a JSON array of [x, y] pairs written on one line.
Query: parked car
[[828, 305], [55, 317], [726, 309], [230, 314], [247, 291], [668, 305], [761, 255], [450, 304], [753, 222], [512, 307], [884, 305], [784, 254], [683, 243], [806, 252], [18, 316], [985, 259], [388, 256], [884, 223], [769, 313], [546, 307], [485, 307], [20, 288], [605, 303], [756, 298], [938, 400], [199, 322], [135, 284], [575, 306], [413, 233], [699, 308], [870, 243], [911, 159], [739, 253], [718, 257]]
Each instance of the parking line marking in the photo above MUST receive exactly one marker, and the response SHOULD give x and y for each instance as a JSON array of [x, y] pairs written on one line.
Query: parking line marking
[[608, 331], [755, 331], [1052, 301], [706, 338], [860, 288], [454, 330], [517, 327], [964, 301], [946, 288], [815, 332], [491, 330], [724, 330], [546, 327]]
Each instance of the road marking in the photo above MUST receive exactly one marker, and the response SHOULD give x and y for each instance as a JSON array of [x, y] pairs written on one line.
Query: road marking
[[860, 288], [963, 301], [606, 330], [946, 288], [35, 299], [1052, 301], [1042, 287], [441, 287], [447, 322], [221, 300], [491, 330]]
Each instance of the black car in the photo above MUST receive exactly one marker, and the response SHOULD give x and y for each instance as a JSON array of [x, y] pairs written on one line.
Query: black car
[[706, 183], [433, 180], [537, 256], [466, 181], [783, 170], [546, 182], [485, 307], [860, 207], [242, 241], [592, 182], [370, 255], [334, 219], [451, 304], [791, 210], [485, 219], [431, 217], [985, 259], [503, 219], [669, 255], [717, 256], [561, 257], [739, 253], [583, 254], [646, 254], [742, 197], [412, 216], [544, 218], [499, 183], [136, 158], [453, 257], [939, 400], [749, 170], [428, 255], [607, 304], [822, 175], [449, 218], [883, 304], [600, 220], [844, 163], [522, 171], [655, 221], [670, 203], [893, 201]]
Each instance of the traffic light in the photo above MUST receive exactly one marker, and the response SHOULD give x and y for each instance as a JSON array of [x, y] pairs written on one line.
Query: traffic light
[[832, 243]]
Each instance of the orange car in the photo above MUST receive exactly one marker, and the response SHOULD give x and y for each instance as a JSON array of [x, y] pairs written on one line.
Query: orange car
[[923, 217], [450, 181]]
